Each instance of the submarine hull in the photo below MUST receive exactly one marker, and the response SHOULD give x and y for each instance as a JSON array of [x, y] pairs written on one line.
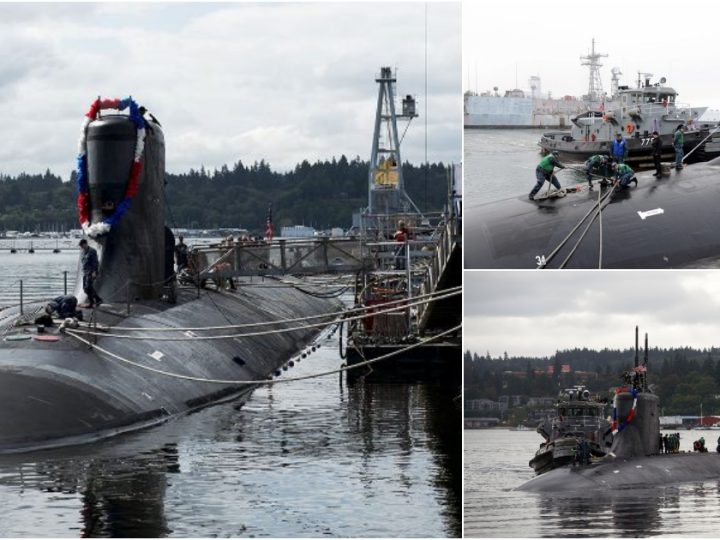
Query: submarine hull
[[671, 222], [615, 473], [61, 393]]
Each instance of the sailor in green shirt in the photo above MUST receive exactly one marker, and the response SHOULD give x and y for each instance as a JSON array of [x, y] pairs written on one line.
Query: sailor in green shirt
[[624, 175], [678, 142], [544, 173], [597, 165]]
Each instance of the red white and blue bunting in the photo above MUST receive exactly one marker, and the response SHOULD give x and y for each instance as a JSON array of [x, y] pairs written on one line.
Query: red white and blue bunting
[[83, 200], [616, 426]]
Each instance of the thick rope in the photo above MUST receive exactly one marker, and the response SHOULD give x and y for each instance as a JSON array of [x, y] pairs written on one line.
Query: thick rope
[[283, 321], [587, 228], [268, 332], [575, 228], [264, 381]]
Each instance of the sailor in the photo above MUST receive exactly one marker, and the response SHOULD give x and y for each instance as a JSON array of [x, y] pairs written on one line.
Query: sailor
[[619, 149], [623, 175], [597, 165], [401, 236], [90, 267], [657, 153], [181, 254], [678, 142], [65, 306], [544, 173]]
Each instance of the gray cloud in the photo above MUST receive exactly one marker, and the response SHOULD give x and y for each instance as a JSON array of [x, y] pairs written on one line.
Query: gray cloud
[[283, 82], [540, 312]]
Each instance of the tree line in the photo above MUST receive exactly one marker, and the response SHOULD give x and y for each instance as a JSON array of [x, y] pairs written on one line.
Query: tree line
[[682, 377], [323, 194]]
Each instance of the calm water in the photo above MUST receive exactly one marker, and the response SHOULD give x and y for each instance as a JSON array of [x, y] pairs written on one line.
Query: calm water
[[308, 458], [500, 163], [496, 461]]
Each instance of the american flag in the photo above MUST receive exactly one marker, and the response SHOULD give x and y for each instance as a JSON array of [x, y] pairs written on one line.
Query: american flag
[[268, 224]]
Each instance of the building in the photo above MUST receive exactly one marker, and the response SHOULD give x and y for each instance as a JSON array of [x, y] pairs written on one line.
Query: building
[[541, 401], [480, 423], [297, 231]]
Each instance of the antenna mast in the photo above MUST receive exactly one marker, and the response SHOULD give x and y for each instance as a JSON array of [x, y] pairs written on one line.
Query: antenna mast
[[595, 90]]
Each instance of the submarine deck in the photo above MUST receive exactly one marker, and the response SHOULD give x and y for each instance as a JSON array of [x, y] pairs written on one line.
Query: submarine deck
[[670, 222], [55, 393]]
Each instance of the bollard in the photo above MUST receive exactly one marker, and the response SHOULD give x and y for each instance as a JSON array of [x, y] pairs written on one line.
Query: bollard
[[21, 297]]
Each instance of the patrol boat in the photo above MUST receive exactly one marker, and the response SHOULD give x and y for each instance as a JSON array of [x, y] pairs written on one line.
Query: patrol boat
[[635, 113], [153, 350], [578, 419]]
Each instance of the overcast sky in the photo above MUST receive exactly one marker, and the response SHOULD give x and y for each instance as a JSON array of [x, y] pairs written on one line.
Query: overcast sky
[[547, 38], [283, 82], [537, 313]]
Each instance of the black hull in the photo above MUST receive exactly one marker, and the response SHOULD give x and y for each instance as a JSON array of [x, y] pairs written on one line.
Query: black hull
[[63, 393], [639, 148], [518, 233], [641, 472]]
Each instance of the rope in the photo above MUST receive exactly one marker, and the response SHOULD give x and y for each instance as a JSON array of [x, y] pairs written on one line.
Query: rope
[[575, 228], [701, 142], [268, 332], [587, 227], [263, 381], [296, 319]]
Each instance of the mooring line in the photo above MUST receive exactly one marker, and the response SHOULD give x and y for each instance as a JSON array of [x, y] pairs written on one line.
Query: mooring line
[[283, 321], [401, 307], [263, 381]]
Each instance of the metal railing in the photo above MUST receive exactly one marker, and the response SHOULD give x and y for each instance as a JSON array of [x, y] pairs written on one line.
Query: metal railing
[[30, 290]]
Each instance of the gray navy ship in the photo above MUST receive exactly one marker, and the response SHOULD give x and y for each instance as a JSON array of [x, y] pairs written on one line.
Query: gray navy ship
[[119, 371]]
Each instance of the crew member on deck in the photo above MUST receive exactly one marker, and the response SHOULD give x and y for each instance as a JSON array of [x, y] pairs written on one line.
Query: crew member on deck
[[619, 149], [90, 267], [65, 306], [544, 173], [657, 153], [597, 165], [623, 175], [678, 143], [181, 254]]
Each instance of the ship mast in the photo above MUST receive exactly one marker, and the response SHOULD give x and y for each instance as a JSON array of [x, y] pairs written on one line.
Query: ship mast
[[592, 60], [386, 188]]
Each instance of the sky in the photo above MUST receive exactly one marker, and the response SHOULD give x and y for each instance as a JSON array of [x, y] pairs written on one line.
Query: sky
[[282, 82], [536, 313], [547, 39]]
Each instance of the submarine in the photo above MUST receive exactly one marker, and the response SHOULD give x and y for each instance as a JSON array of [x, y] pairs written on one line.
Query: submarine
[[634, 460], [669, 222], [65, 386]]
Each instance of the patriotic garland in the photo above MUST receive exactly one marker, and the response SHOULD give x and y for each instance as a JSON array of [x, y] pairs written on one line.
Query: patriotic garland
[[617, 428], [83, 200]]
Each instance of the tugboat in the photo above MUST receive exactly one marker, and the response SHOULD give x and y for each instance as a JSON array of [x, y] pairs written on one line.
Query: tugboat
[[635, 113], [579, 419]]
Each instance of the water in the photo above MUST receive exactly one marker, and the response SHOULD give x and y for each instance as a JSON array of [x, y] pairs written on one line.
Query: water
[[500, 163], [496, 461], [307, 458]]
